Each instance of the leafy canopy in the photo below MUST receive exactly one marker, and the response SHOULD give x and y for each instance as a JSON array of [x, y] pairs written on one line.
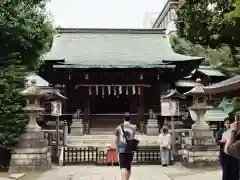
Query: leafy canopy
[[215, 57], [210, 23], [26, 33]]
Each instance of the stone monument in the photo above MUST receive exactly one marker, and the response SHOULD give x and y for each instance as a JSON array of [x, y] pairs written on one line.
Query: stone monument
[[152, 124], [199, 147], [32, 152]]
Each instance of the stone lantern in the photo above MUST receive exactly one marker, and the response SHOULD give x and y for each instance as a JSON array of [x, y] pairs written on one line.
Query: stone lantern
[[32, 152], [199, 106], [200, 148]]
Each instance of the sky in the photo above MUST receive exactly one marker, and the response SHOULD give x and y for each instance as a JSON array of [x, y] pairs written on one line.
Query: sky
[[102, 13]]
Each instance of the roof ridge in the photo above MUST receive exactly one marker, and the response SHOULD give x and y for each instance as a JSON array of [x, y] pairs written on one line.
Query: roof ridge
[[111, 31]]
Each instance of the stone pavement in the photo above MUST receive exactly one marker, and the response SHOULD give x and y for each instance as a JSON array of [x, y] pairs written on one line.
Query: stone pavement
[[175, 172]]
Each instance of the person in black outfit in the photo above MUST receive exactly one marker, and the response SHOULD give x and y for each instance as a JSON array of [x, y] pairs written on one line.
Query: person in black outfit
[[221, 142]]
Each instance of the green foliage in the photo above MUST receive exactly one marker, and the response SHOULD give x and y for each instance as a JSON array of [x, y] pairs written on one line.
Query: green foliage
[[218, 57], [26, 33], [185, 47], [210, 23], [236, 12]]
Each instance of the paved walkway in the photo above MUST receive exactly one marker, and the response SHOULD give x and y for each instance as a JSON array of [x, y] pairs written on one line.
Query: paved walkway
[[138, 173]]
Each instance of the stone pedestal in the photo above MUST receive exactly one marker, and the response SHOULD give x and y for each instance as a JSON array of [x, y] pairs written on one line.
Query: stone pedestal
[[32, 152], [200, 149], [77, 127], [152, 127]]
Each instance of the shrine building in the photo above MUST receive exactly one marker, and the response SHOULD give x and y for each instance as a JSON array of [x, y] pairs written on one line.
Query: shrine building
[[106, 72]]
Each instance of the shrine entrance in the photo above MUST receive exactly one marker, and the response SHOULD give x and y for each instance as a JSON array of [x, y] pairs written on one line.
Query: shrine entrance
[[109, 103], [112, 104], [108, 111]]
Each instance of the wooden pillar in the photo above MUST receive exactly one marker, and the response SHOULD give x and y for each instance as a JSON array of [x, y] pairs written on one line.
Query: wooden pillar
[[68, 89], [64, 108], [141, 110], [141, 105], [87, 111]]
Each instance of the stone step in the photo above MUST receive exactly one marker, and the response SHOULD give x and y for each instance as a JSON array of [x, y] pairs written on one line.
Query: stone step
[[105, 143], [103, 140], [92, 141], [91, 137], [87, 137], [102, 131]]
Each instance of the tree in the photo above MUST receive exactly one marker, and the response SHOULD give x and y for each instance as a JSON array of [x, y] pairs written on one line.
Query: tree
[[210, 23], [215, 57], [26, 33]]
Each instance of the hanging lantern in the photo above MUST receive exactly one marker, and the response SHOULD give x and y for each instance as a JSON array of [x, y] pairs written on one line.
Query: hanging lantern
[[120, 89], [158, 77], [86, 76], [114, 91], [103, 91], [133, 89], [126, 90], [139, 90], [141, 76], [96, 90], [89, 90], [109, 90]]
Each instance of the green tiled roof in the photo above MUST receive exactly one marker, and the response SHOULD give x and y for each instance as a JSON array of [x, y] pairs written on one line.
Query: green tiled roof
[[114, 48], [231, 84]]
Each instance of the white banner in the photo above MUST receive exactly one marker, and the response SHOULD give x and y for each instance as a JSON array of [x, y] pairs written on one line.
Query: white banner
[[56, 107], [169, 108]]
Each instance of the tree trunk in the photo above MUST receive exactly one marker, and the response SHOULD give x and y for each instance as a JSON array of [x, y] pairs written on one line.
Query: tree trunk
[[5, 157], [234, 53]]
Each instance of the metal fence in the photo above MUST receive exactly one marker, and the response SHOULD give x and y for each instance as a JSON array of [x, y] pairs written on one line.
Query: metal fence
[[98, 156]]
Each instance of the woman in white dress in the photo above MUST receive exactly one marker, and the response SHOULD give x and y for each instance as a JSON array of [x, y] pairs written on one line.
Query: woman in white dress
[[164, 140]]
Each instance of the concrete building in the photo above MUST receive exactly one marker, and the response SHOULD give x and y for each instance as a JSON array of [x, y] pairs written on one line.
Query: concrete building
[[165, 19], [149, 19]]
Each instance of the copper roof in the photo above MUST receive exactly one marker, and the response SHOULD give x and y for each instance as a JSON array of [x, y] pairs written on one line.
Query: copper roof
[[114, 48], [231, 84]]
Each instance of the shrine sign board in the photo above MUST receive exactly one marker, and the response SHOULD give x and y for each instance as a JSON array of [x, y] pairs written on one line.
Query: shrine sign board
[[169, 107], [56, 107]]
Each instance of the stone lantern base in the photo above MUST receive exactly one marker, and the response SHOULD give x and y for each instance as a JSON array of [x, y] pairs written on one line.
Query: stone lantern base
[[31, 153], [200, 150]]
